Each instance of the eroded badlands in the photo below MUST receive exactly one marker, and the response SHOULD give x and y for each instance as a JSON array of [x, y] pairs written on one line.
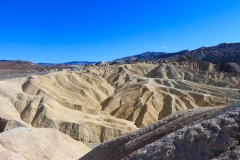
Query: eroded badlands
[[103, 102]]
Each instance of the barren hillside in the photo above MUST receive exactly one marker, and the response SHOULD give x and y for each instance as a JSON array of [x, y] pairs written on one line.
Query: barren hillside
[[103, 102]]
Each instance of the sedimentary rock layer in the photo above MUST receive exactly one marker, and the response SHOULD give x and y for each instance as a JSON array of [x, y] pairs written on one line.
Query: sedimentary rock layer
[[68, 102], [104, 102], [146, 93]]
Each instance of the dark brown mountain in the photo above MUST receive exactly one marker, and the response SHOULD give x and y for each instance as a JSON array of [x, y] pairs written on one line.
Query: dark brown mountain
[[6, 62], [224, 52], [78, 63], [143, 56]]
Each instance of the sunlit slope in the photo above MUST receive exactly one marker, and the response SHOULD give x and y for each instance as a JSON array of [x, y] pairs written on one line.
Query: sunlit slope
[[39, 143], [68, 102], [103, 102], [146, 93]]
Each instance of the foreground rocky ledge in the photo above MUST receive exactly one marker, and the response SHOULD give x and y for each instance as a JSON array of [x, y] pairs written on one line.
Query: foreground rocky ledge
[[216, 136]]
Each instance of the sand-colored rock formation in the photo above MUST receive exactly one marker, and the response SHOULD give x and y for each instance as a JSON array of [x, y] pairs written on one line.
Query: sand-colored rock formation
[[170, 101], [105, 101], [146, 93], [68, 102], [39, 143], [179, 136], [75, 91], [12, 101]]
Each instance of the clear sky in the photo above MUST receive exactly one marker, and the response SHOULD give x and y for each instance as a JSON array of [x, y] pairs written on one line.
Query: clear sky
[[93, 30]]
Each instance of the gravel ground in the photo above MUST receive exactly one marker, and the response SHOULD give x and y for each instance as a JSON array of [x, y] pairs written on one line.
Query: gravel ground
[[11, 76]]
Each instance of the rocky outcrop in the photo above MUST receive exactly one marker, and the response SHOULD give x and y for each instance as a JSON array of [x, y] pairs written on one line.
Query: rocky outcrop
[[208, 138], [124, 145], [99, 63], [228, 67], [10, 124], [216, 136]]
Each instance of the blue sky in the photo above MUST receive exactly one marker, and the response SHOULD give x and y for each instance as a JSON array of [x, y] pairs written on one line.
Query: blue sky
[[87, 30]]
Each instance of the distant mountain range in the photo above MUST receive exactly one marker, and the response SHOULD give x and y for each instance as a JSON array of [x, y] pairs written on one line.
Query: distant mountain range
[[20, 62], [66, 63], [224, 52], [16, 62], [146, 55], [229, 52]]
